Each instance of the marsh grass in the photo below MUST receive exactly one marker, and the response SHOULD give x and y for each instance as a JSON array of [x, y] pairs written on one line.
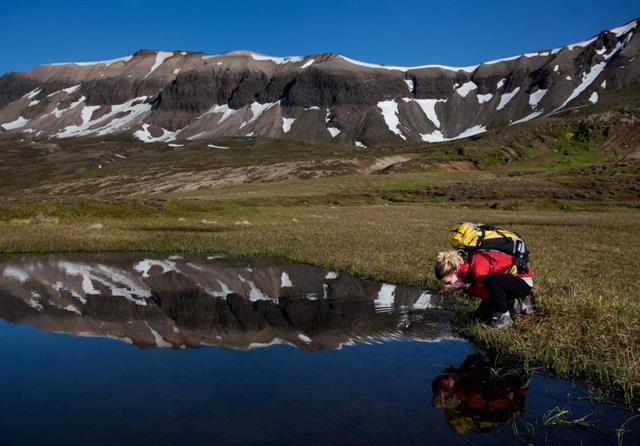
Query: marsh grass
[[560, 416], [623, 429]]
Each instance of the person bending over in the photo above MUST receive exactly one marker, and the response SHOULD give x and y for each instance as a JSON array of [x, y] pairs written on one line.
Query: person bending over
[[486, 275]]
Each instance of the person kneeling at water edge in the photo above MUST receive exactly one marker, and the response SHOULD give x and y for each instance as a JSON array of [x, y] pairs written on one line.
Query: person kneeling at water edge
[[486, 276]]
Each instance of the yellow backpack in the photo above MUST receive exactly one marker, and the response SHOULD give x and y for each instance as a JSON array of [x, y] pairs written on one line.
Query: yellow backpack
[[471, 237]]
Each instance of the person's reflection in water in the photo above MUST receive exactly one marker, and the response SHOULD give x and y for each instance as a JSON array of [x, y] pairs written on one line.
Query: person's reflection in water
[[477, 396]]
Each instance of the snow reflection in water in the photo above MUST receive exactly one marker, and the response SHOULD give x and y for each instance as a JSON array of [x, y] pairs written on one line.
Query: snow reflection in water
[[176, 301]]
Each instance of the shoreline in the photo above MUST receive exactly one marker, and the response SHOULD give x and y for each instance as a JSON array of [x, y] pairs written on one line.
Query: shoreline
[[578, 332]]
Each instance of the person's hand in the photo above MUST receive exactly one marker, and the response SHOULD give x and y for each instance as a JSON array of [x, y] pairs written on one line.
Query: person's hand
[[457, 286]]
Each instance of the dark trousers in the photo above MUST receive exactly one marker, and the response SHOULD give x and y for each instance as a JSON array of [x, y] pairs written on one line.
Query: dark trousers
[[502, 290]]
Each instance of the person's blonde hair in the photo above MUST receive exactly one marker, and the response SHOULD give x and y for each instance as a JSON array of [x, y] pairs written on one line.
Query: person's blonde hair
[[447, 262]]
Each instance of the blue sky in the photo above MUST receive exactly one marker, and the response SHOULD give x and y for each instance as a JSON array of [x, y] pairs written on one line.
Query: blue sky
[[409, 32]]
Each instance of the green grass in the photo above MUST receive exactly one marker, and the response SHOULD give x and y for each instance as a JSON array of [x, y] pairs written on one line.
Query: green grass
[[559, 416]]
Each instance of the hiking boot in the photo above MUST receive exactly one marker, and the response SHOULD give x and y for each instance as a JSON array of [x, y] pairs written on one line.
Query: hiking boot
[[526, 304], [501, 320], [523, 306], [516, 307]]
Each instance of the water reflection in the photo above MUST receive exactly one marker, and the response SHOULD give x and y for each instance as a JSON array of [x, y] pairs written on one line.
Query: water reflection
[[478, 396], [180, 302]]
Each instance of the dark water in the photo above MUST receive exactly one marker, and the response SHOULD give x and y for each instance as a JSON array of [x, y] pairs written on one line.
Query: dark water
[[151, 349]]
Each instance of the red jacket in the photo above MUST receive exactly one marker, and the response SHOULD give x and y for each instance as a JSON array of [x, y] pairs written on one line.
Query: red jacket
[[483, 263]]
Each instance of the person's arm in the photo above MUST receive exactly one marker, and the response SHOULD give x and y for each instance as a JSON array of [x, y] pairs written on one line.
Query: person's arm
[[479, 269]]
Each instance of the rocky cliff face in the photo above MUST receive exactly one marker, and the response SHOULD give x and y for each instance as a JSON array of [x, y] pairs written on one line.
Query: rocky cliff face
[[178, 95]]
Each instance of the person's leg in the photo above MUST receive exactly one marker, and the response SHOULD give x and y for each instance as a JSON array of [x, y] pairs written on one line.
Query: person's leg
[[483, 312], [503, 289]]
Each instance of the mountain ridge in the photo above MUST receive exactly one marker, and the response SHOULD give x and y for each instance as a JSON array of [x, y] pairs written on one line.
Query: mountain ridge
[[167, 96]]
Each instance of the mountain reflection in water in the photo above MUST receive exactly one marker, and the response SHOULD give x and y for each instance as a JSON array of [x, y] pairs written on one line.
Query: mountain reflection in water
[[184, 302]]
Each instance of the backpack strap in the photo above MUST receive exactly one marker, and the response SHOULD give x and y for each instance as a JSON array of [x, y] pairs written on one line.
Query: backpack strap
[[467, 255]]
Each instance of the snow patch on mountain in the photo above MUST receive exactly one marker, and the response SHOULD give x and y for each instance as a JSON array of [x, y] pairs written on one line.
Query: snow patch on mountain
[[469, 69], [333, 131], [466, 88], [277, 60], [536, 97], [581, 44], [529, 117], [428, 107], [389, 111], [145, 136], [161, 56], [475, 130], [107, 123], [73, 130], [589, 77], [506, 98], [20, 122], [224, 109], [307, 64], [518, 56], [437, 135], [33, 93], [124, 59], [482, 98], [619, 31], [257, 109], [131, 112], [72, 89], [58, 113], [287, 123], [411, 85], [196, 136]]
